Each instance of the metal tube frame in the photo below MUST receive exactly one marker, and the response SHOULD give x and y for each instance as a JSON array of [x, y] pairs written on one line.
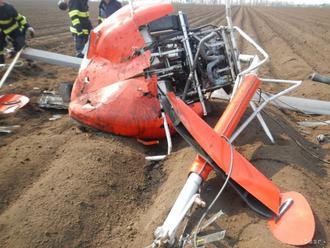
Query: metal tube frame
[[11, 67], [191, 60], [254, 65], [168, 139], [295, 84], [161, 54], [253, 68], [232, 35]]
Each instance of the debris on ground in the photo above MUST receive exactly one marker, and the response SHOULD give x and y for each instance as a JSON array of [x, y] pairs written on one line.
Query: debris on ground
[[8, 129], [55, 117], [314, 123], [51, 100], [10, 103], [320, 138]]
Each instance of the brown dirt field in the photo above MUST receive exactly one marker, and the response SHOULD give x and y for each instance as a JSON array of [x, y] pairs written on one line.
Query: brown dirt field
[[65, 186]]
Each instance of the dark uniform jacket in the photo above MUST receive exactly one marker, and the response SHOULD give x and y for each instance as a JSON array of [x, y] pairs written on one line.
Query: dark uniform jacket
[[11, 21], [106, 10], [12, 25], [79, 15]]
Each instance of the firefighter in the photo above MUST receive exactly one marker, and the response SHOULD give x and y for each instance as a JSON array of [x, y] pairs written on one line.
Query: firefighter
[[107, 8], [13, 28], [80, 24]]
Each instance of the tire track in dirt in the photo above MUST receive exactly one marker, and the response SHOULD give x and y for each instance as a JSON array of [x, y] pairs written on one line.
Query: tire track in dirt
[[275, 29], [251, 29], [221, 20], [235, 11], [49, 33], [311, 27], [313, 16], [301, 43], [206, 19], [50, 37], [195, 17], [196, 12], [285, 61], [238, 21], [55, 204], [52, 26], [27, 165], [66, 41]]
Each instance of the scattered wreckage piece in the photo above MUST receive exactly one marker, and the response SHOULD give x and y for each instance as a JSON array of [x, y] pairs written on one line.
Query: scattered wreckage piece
[[19, 64], [10, 103], [55, 117], [51, 100], [319, 78], [321, 138], [8, 129], [313, 123], [10, 67]]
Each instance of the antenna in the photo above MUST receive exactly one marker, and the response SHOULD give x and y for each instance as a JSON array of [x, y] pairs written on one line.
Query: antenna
[[130, 2], [228, 14]]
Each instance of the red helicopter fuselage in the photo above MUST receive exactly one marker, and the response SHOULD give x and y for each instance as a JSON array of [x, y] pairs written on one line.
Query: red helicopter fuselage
[[111, 92]]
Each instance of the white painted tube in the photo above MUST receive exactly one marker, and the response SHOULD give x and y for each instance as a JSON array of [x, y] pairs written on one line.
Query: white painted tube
[[179, 209], [155, 158], [11, 67]]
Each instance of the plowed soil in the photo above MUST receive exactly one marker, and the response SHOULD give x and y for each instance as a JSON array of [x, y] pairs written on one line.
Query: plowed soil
[[66, 186]]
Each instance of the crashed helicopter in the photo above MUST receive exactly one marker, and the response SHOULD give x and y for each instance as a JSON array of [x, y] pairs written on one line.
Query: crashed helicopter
[[156, 83], [148, 74]]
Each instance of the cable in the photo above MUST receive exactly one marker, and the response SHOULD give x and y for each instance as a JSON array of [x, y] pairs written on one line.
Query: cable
[[19, 64], [219, 193], [295, 140]]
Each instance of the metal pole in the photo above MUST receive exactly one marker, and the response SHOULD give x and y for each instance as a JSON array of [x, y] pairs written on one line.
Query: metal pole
[[263, 123], [294, 83], [11, 67], [232, 36], [191, 60], [130, 2]]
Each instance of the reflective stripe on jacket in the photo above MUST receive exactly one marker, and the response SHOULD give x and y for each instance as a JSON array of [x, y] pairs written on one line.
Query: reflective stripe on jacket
[[11, 20], [79, 15]]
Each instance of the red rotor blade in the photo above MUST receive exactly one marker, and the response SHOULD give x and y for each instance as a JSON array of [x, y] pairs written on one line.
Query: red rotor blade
[[297, 225], [244, 173]]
